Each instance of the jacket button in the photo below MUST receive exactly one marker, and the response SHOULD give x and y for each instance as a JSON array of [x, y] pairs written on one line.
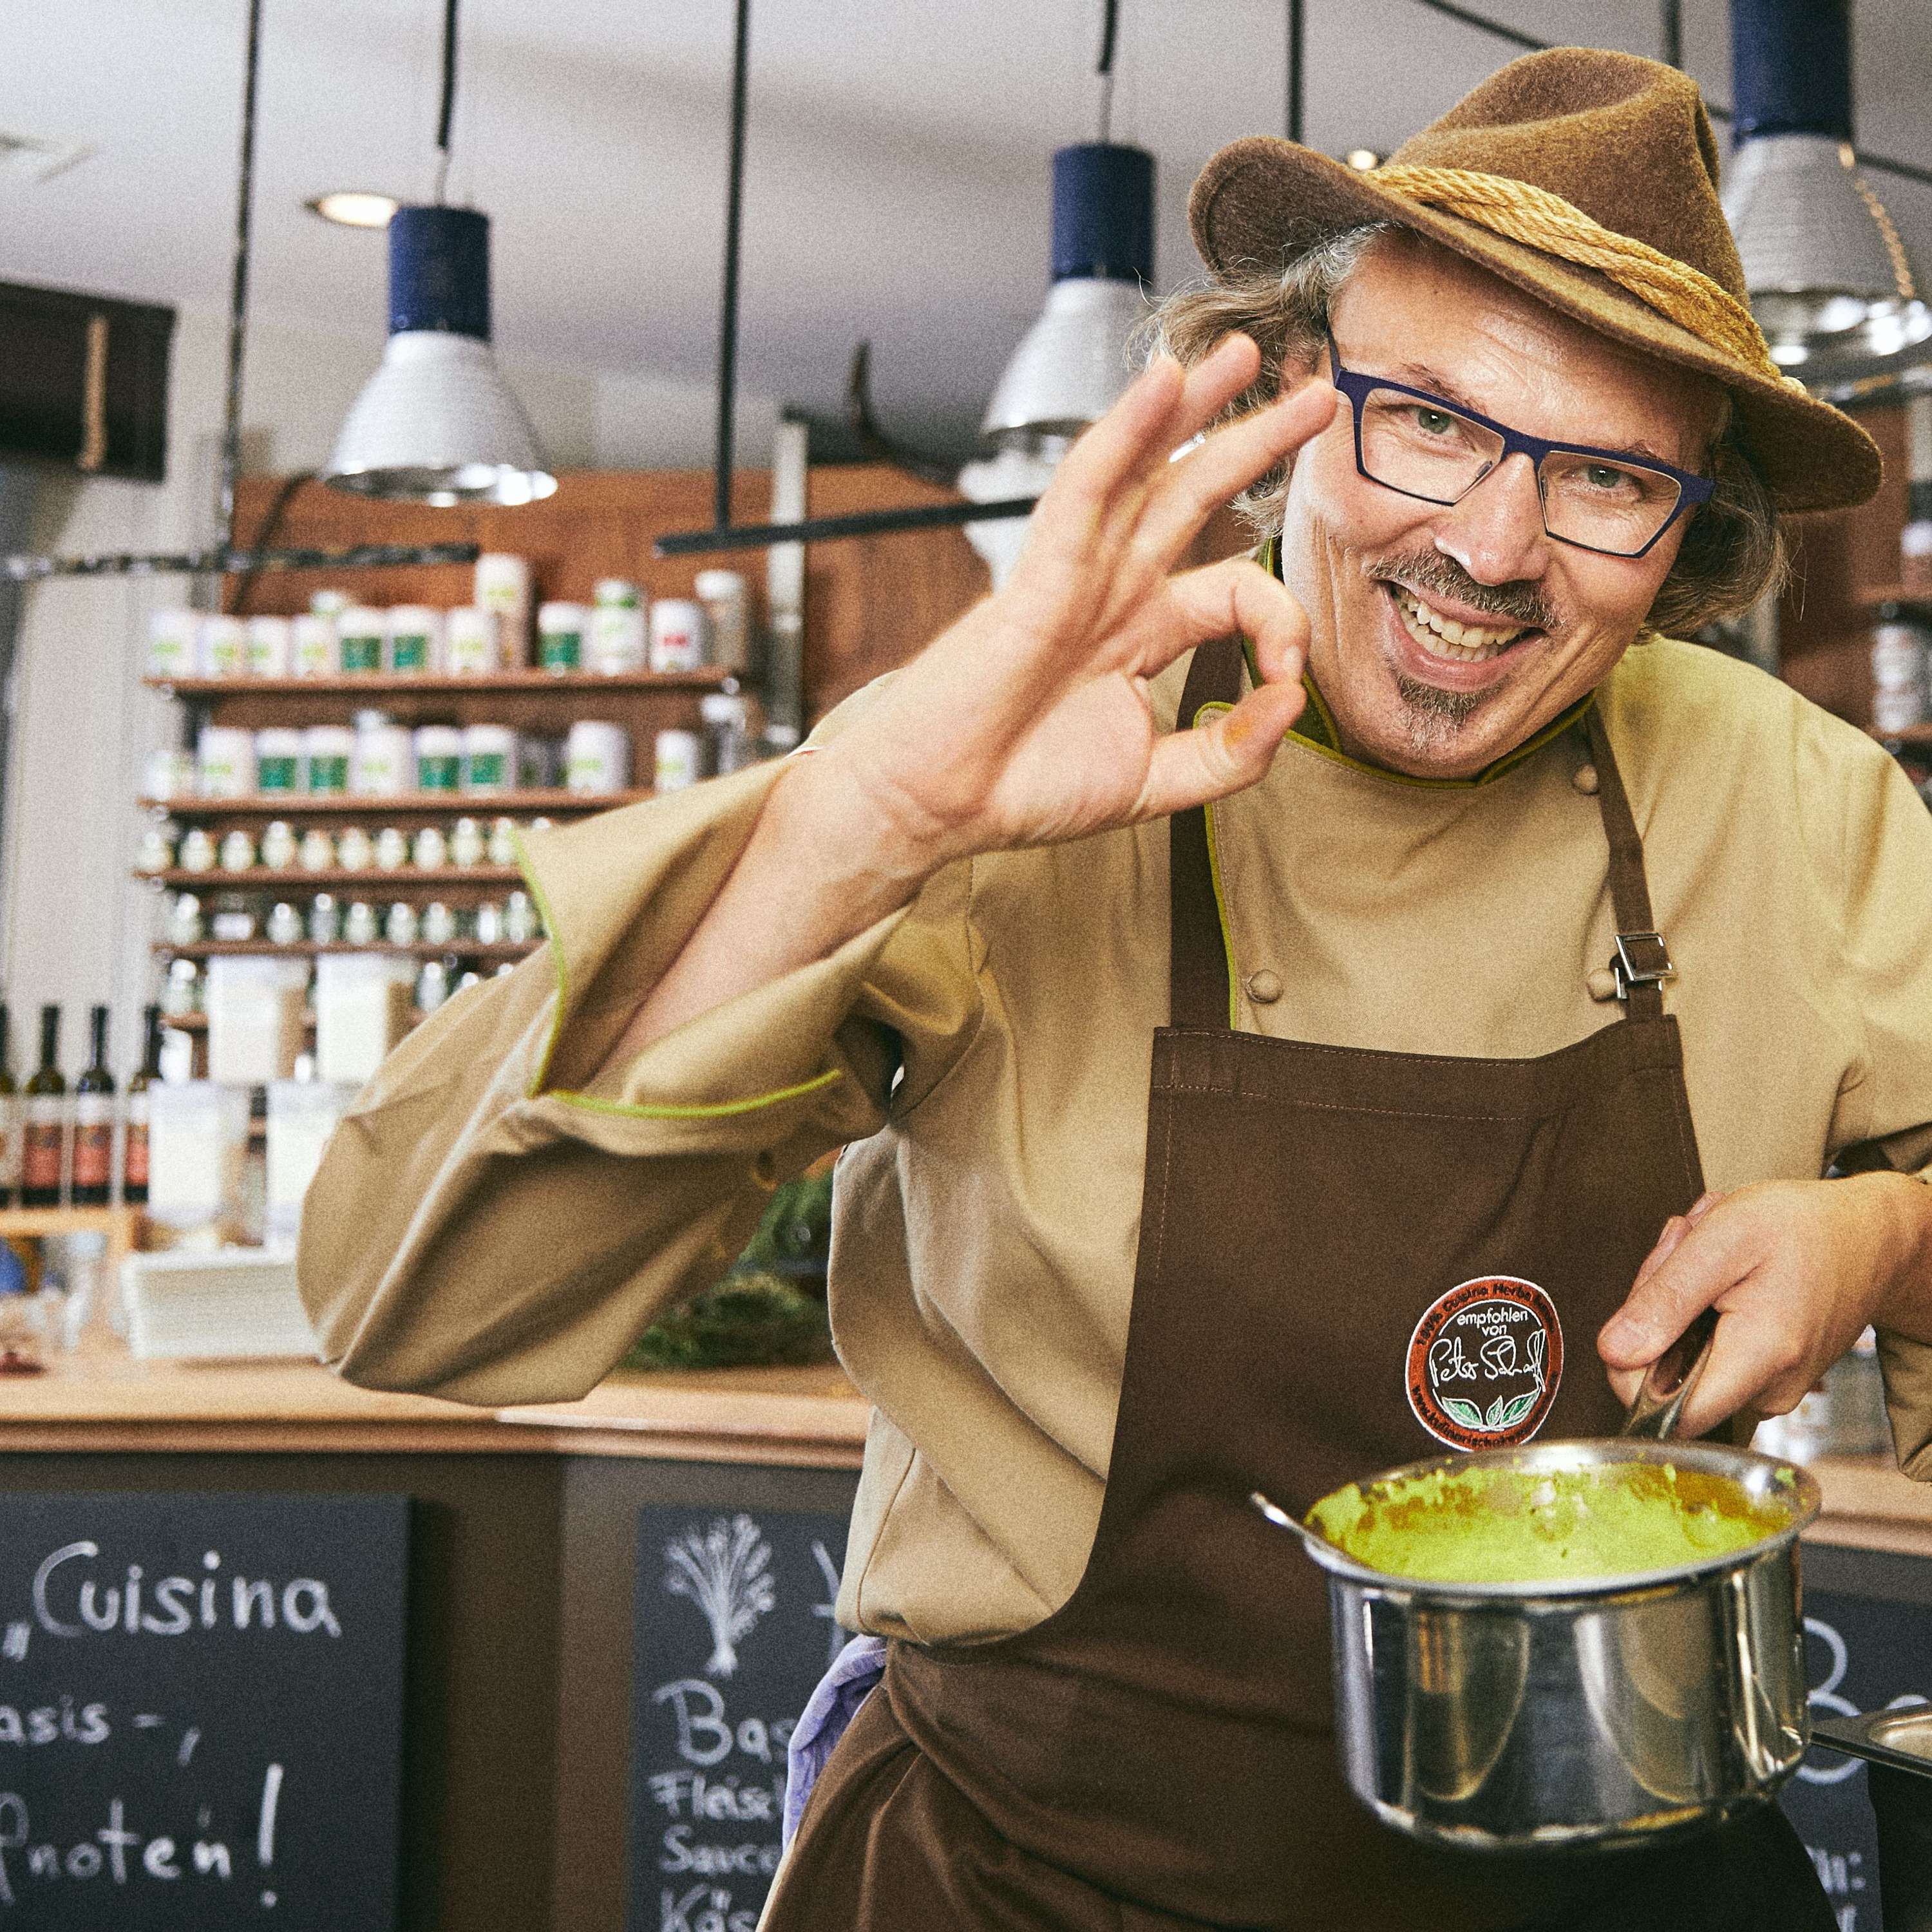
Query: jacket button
[[1264, 988], [1584, 778], [1602, 983]]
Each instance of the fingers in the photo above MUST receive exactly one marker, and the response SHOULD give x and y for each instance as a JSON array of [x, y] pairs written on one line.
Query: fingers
[[1224, 754], [1160, 409], [1228, 461], [1700, 1258], [1235, 596]]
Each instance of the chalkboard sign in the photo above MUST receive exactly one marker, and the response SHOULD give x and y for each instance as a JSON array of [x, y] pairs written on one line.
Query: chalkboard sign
[[734, 1628], [1862, 1653], [200, 1712]]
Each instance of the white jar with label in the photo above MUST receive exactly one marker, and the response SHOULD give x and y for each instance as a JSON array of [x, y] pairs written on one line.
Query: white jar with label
[[184, 925], [392, 849], [399, 925], [238, 852], [325, 919], [429, 850], [616, 640], [503, 586], [359, 638], [271, 646], [414, 645], [354, 852], [489, 757], [312, 651], [285, 926], [439, 753], [171, 643], [560, 634], [432, 985], [489, 923], [278, 845], [503, 846], [225, 761], [383, 764], [197, 852], [727, 610], [223, 646], [466, 843], [471, 642], [596, 756], [520, 919], [157, 853], [316, 853], [439, 924], [358, 924], [278, 759], [678, 636], [170, 774], [327, 750], [679, 760]]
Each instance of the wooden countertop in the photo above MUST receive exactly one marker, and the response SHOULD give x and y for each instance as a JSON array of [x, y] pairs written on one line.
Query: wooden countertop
[[99, 1398]]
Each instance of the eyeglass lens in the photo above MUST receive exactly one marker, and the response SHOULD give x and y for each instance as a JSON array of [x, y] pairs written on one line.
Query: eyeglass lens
[[1428, 450]]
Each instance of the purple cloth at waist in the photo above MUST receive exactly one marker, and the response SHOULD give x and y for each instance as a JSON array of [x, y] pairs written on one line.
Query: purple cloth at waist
[[831, 1707]]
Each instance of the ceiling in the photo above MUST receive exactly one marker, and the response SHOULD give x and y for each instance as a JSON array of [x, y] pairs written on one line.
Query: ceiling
[[896, 173]]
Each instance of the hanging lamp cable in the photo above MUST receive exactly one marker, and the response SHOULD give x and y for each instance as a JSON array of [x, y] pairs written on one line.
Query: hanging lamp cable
[[1110, 23], [446, 114]]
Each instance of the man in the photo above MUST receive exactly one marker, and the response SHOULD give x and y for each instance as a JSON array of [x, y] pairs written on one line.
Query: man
[[1399, 1093]]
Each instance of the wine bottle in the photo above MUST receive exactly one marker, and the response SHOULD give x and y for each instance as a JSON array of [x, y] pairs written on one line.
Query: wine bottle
[[93, 1121], [43, 1141], [10, 1117], [134, 1157]]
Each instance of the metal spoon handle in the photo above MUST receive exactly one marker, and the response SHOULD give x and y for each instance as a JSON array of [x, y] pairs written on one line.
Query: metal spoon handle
[[1280, 1518], [1668, 1381]]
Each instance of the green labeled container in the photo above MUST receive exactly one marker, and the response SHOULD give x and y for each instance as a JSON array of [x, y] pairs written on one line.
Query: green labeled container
[[359, 634]]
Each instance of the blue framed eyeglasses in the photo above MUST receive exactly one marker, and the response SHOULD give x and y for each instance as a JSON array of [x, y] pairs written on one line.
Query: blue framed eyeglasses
[[1424, 446]]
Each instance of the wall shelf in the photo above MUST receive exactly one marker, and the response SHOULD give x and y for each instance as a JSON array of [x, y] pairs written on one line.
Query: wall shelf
[[1909, 734], [308, 949], [1919, 602], [373, 684], [404, 878], [456, 804]]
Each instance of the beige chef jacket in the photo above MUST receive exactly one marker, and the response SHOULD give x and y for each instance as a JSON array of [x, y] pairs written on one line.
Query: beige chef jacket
[[495, 1222]]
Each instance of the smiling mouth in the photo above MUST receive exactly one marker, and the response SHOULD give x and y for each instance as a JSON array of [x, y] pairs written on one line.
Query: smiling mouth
[[1444, 637]]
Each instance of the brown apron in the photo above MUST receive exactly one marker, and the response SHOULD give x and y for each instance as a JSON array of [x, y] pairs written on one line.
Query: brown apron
[[1346, 1258]]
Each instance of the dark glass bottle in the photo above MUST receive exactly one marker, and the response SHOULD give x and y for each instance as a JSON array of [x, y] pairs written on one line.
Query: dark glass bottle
[[10, 1117], [134, 1157], [93, 1121], [43, 1141]]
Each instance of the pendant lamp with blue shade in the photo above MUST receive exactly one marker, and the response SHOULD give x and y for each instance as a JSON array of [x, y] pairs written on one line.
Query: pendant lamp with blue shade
[[436, 423], [1831, 282], [1072, 365]]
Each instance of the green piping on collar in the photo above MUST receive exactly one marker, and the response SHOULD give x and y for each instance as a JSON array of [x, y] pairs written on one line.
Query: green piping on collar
[[1220, 896], [625, 1109], [1315, 727]]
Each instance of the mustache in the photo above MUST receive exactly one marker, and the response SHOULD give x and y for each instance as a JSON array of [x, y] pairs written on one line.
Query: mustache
[[1522, 602]]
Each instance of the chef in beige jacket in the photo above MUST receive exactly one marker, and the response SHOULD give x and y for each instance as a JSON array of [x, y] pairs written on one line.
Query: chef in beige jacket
[[943, 938]]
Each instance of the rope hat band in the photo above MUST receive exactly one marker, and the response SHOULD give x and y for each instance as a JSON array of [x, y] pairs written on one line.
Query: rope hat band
[[1523, 212]]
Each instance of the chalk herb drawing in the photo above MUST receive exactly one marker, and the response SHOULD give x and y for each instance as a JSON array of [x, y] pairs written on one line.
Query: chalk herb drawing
[[726, 1571]]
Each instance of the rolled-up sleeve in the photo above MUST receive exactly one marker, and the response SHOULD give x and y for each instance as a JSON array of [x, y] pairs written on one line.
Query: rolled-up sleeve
[[495, 1219]]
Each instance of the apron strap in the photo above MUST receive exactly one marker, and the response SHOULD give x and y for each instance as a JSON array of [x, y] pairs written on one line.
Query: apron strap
[[1642, 962], [1200, 991]]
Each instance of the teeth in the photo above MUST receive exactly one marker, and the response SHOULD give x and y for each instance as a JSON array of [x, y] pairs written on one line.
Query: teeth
[[1442, 637]]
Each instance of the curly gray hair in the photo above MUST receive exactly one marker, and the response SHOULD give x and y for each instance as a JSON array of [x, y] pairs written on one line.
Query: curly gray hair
[[1732, 550]]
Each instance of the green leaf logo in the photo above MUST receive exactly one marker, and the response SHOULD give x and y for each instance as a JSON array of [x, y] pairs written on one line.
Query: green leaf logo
[[1464, 1411], [1517, 1409]]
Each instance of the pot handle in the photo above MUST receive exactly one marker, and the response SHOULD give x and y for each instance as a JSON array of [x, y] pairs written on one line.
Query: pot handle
[[1668, 1381]]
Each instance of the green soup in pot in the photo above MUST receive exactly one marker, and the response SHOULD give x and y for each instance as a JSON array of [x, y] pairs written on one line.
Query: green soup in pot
[[1504, 1525]]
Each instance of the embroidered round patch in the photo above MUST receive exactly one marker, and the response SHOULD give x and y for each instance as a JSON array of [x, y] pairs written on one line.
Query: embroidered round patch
[[1485, 1362]]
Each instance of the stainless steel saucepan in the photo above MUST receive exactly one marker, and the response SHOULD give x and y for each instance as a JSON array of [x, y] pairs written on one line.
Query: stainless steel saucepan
[[1517, 1717]]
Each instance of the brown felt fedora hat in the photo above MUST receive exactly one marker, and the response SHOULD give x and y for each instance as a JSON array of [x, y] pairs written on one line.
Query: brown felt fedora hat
[[1626, 144]]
